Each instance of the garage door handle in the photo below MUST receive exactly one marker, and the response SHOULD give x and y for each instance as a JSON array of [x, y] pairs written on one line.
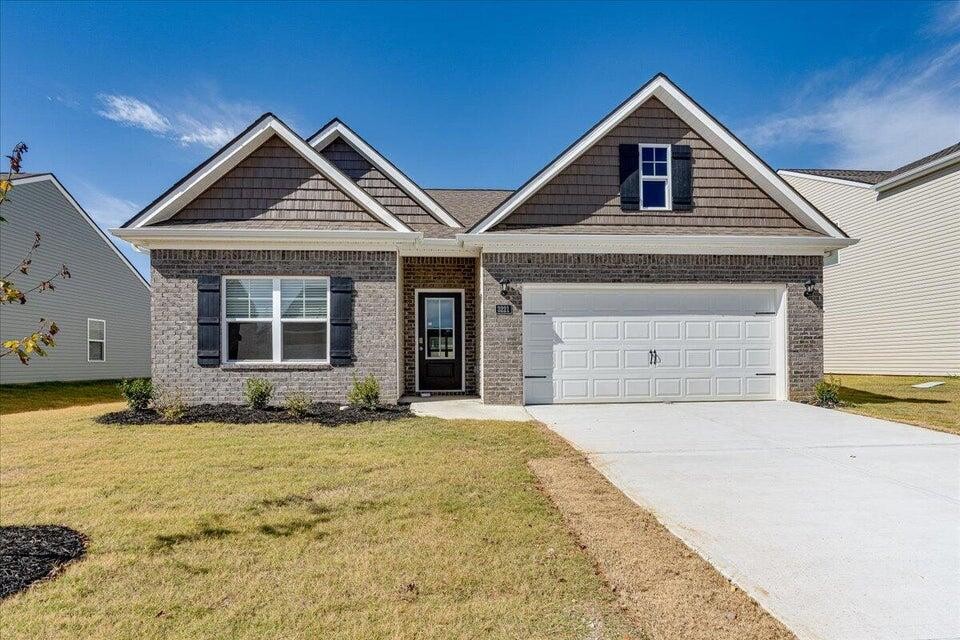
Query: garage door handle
[[764, 313], [764, 374], [533, 377], [534, 313]]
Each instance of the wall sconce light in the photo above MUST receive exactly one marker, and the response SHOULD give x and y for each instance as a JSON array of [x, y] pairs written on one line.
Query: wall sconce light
[[809, 288], [504, 285]]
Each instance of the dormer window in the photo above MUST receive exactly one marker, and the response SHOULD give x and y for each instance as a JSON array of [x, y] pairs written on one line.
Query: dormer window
[[655, 177]]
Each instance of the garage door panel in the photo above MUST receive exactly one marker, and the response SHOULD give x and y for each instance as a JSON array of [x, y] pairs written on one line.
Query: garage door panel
[[595, 346]]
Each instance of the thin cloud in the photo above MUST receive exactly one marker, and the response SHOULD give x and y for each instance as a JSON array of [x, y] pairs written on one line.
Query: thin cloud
[[892, 114], [209, 124], [107, 210], [132, 112]]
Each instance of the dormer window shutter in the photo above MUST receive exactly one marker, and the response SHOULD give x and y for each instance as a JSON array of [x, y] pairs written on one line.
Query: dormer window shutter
[[630, 177], [681, 170]]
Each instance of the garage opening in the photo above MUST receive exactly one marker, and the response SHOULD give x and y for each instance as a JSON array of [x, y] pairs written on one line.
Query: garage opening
[[617, 343]]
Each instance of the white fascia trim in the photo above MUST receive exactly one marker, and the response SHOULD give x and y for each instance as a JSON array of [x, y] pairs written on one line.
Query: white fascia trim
[[232, 155], [337, 128], [304, 239], [86, 216], [659, 244], [808, 176], [708, 128], [918, 172]]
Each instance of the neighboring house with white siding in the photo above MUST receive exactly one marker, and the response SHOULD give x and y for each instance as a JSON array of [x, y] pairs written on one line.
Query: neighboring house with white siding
[[893, 300], [103, 310]]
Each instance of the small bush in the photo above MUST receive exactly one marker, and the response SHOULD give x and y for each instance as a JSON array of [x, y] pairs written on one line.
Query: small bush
[[171, 406], [827, 392], [138, 392], [298, 403], [365, 393], [257, 392]]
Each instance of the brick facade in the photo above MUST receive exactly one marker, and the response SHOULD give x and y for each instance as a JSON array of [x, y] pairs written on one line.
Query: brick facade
[[502, 334], [174, 323], [439, 273]]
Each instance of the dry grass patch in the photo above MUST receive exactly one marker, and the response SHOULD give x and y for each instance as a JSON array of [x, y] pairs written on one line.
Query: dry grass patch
[[416, 528], [669, 590], [893, 398], [15, 398]]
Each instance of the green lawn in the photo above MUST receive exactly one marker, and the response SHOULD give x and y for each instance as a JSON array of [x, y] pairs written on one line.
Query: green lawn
[[893, 398], [418, 528], [15, 398]]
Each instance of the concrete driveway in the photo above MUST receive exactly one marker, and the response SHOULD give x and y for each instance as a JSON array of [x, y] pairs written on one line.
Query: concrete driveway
[[843, 527]]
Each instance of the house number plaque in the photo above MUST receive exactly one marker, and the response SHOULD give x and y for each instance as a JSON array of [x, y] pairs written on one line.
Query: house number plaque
[[504, 309]]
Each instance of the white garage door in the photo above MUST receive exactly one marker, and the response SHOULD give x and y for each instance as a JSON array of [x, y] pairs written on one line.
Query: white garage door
[[602, 344]]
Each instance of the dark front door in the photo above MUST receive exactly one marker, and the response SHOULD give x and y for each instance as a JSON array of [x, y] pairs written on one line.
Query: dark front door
[[439, 341]]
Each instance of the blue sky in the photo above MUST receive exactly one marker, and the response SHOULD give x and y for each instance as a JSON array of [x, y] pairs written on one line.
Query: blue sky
[[121, 99]]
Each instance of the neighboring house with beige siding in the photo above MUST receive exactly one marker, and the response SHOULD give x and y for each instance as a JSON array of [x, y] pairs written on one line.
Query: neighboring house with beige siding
[[103, 310], [893, 300]]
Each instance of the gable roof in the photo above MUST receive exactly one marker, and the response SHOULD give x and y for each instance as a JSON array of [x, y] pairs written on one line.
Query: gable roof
[[215, 167], [862, 176], [883, 180], [28, 178], [469, 205], [336, 128], [661, 87]]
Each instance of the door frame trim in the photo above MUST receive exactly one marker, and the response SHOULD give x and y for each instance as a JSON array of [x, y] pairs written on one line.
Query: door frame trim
[[463, 340], [781, 323]]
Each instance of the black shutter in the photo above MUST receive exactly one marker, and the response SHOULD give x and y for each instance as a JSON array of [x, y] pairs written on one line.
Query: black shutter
[[682, 175], [629, 177], [208, 321], [341, 321]]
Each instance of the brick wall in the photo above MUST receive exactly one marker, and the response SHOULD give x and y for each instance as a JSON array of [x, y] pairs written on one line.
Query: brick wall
[[174, 322], [502, 334], [439, 273]]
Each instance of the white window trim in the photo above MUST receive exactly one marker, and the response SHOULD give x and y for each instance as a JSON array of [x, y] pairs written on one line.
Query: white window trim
[[103, 342], [426, 346], [276, 322], [668, 179]]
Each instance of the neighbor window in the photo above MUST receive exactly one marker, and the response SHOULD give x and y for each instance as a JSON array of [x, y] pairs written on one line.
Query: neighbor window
[[276, 319], [96, 340], [654, 176]]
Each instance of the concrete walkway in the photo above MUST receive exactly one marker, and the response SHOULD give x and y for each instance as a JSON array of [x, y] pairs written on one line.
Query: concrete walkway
[[844, 527], [460, 408]]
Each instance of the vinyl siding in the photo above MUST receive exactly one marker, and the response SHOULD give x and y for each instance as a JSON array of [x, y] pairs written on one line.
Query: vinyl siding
[[102, 286], [892, 303], [275, 185], [585, 197]]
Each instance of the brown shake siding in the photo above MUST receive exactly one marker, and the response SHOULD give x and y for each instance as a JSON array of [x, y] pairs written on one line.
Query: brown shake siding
[[384, 190], [439, 273], [275, 184], [503, 334], [174, 323], [584, 197]]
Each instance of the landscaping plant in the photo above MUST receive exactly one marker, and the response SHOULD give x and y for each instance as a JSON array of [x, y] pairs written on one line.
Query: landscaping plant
[[171, 406], [298, 403], [138, 392], [365, 393], [257, 392], [827, 392]]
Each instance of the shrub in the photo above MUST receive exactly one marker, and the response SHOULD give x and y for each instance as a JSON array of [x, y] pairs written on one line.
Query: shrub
[[171, 406], [257, 392], [138, 392], [828, 393], [365, 393], [298, 403]]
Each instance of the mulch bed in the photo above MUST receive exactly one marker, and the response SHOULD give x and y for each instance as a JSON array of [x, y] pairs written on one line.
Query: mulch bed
[[326, 413], [32, 553]]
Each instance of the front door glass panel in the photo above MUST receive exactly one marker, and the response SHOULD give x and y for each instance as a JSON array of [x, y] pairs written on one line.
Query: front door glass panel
[[440, 328]]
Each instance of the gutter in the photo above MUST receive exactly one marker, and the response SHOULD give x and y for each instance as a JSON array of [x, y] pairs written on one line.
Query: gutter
[[471, 244], [917, 172]]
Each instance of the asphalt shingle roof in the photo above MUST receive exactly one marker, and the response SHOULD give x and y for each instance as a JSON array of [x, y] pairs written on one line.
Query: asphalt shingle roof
[[867, 176]]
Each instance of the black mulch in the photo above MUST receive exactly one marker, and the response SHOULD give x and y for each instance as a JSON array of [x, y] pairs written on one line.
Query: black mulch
[[28, 554], [325, 413]]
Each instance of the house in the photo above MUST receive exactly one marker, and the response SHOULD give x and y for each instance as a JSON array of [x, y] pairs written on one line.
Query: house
[[102, 311], [893, 301], [656, 258]]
